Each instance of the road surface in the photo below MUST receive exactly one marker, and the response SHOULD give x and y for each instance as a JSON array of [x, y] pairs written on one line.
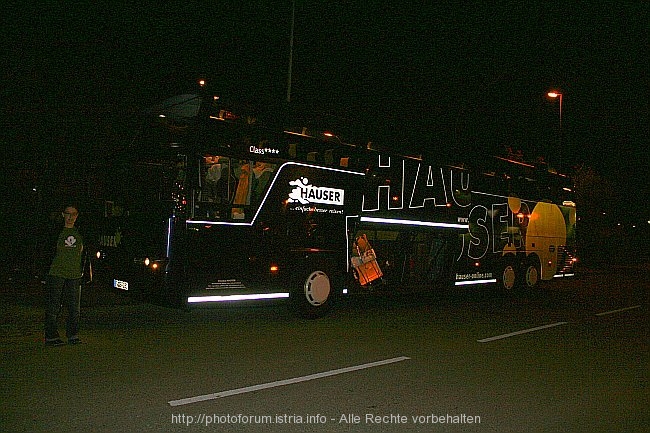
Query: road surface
[[573, 358]]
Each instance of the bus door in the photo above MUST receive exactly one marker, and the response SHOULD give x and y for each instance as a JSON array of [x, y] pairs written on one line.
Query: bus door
[[224, 241]]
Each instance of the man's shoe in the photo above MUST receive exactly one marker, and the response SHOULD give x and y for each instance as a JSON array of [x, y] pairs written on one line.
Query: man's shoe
[[74, 341], [54, 342]]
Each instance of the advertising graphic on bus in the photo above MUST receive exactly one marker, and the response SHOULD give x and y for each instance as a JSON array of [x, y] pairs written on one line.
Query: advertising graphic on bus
[[210, 207]]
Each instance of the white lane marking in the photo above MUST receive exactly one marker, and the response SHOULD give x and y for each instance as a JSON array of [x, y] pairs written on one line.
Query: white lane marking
[[617, 311], [277, 383], [524, 331]]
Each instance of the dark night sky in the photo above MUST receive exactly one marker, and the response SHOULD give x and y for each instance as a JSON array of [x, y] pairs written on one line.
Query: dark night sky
[[424, 77]]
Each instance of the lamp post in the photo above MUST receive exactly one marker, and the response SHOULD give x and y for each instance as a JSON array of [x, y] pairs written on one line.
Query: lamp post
[[293, 21], [558, 95]]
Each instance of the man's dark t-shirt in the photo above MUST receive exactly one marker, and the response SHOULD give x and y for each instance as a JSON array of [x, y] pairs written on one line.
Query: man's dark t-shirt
[[69, 249]]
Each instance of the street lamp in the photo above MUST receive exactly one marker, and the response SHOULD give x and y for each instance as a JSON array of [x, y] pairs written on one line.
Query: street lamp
[[558, 95]]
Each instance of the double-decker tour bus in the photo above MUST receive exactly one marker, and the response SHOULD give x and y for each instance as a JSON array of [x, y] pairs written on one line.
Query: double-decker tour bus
[[210, 206]]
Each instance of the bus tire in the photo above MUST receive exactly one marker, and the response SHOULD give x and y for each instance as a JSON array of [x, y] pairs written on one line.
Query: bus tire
[[508, 276], [531, 274], [312, 292]]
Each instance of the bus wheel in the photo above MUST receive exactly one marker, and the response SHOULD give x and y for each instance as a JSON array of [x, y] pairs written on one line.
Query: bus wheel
[[508, 276], [312, 295], [531, 274]]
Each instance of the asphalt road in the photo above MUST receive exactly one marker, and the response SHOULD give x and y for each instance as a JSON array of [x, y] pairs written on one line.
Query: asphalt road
[[571, 359]]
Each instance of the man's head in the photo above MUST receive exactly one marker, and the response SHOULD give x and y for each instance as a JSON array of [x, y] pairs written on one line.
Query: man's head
[[70, 214]]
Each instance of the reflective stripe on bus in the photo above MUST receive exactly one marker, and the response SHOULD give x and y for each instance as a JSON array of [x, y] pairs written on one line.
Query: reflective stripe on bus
[[471, 282], [228, 298], [413, 223]]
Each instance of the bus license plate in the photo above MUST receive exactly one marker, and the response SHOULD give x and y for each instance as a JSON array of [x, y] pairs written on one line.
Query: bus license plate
[[122, 285]]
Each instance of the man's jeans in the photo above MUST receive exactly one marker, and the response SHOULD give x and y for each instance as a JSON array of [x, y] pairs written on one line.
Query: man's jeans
[[62, 292]]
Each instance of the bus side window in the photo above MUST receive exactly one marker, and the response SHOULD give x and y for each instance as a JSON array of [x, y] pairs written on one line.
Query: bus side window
[[254, 179], [218, 182], [253, 184], [329, 156], [298, 152], [262, 173], [243, 173]]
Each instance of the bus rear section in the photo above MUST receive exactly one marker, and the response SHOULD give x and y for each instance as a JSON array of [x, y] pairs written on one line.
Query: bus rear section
[[511, 224], [522, 228]]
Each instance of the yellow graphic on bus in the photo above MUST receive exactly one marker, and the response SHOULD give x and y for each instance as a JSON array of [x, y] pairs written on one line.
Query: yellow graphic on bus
[[546, 232]]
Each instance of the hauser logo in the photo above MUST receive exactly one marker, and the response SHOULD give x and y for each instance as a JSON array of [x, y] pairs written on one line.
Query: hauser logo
[[305, 193]]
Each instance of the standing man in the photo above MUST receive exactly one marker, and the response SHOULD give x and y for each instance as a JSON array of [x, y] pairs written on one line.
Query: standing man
[[64, 281]]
